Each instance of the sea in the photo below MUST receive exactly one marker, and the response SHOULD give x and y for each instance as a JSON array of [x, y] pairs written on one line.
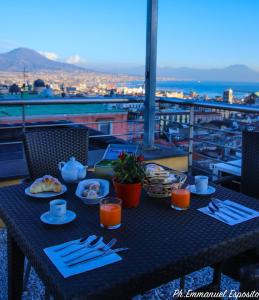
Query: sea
[[209, 88]]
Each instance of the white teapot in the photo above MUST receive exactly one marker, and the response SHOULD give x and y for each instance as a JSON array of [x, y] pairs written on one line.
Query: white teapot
[[72, 171]]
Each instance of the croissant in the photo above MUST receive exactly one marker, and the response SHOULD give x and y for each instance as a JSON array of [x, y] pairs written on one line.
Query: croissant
[[45, 184]]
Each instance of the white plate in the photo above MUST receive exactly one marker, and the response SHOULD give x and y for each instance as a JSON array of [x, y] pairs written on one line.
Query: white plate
[[211, 190], [104, 190], [48, 219], [46, 194]]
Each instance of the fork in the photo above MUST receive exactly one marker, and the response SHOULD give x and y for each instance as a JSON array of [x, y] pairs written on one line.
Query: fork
[[218, 210], [104, 248], [213, 213], [86, 240], [106, 253], [89, 245], [232, 208]]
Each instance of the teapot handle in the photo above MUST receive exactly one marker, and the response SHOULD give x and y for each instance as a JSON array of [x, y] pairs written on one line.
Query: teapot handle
[[61, 165], [82, 172]]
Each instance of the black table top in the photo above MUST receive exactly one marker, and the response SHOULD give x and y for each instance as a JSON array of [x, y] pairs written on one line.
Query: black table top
[[164, 244]]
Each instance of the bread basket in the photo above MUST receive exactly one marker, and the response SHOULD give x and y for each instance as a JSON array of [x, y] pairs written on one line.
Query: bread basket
[[160, 184]]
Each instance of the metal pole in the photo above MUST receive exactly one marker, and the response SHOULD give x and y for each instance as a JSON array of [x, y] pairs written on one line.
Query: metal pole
[[23, 118], [150, 75], [190, 152]]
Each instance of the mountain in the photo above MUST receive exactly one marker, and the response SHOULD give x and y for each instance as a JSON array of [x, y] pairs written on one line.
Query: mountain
[[231, 73], [19, 58], [237, 73]]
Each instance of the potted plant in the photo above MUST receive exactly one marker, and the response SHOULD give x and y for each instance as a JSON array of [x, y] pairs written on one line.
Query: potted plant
[[128, 179]]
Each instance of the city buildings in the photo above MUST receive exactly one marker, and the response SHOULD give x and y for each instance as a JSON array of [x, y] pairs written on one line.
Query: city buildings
[[228, 96]]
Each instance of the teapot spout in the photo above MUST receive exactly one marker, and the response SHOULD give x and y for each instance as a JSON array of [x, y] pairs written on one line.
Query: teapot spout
[[82, 172]]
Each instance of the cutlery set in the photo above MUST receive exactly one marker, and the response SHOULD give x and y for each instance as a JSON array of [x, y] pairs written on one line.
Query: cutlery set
[[221, 210], [91, 245]]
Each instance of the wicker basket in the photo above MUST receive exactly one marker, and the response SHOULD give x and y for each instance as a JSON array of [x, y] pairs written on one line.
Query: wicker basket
[[161, 184]]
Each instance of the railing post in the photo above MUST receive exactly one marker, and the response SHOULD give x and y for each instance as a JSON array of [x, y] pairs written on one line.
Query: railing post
[[150, 74], [190, 150], [23, 118]]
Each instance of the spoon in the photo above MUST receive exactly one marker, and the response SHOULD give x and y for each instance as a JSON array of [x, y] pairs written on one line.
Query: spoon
[[87, 239], [89, 245], [105, 247], [222, 204], [217, 209], [213, 212]]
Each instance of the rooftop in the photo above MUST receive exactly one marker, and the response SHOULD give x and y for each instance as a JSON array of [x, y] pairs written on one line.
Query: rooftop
[[74, 109]]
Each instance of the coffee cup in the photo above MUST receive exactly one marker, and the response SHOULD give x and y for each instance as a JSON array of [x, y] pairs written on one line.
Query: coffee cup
[[201, 184], [58, 208]]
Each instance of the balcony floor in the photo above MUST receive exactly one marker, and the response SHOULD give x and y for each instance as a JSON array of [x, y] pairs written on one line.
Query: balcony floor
[[35, 289]]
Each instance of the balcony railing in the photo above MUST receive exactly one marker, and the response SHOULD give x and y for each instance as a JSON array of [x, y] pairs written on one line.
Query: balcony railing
[[214, 145]]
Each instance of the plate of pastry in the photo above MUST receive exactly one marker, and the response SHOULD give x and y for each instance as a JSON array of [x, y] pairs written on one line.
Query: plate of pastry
[[91, 191], [45, 187]]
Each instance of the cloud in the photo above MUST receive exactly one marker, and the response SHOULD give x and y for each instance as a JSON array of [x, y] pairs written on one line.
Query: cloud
[[75, 59], [50, 55]]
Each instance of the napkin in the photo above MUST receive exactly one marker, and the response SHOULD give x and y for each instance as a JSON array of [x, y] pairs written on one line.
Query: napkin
[[230, 220], [66, 271]]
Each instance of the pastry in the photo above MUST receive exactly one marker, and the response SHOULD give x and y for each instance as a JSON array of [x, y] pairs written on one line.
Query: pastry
[[90, 194], [155, 170], [45, 184], [95, 186]]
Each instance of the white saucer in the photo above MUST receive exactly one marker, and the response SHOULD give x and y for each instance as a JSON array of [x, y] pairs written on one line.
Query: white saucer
[[46, 194], [48, 219], [211, 190]]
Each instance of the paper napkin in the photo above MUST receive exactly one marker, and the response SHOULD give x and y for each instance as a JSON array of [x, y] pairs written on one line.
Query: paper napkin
[[59, 262], [230, 220]]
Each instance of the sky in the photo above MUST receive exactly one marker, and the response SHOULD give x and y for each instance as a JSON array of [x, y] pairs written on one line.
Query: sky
[[191, 33]]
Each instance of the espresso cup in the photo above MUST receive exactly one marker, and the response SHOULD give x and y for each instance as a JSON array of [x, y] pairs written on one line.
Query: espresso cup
[[201, 184], [58, 208]]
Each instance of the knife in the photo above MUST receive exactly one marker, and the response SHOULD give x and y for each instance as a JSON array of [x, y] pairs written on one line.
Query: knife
[[88, 246], [235, 211], [228, 215], [106, 253], [214, 214], [238, 208]]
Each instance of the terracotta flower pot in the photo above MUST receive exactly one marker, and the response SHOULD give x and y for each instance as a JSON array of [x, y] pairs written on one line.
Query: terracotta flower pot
[[129, 193]]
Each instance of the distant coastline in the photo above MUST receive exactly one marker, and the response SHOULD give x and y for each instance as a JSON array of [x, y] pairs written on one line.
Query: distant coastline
[[209, 88]]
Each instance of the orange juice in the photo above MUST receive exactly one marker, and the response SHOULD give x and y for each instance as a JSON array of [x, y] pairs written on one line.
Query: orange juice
[[180, 199], [110, 213]]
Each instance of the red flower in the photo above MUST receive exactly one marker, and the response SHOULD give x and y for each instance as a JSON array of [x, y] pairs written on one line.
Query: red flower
[[140, 158], [122, 156]]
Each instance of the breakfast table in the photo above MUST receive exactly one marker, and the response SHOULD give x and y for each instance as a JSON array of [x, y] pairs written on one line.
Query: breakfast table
[[164, 244]]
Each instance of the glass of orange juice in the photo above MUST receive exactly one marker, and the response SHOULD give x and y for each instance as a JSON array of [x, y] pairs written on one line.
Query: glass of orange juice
[[180, 199], [110, 213]]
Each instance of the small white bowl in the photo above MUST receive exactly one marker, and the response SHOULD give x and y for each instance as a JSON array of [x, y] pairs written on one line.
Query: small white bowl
[[104, 190]]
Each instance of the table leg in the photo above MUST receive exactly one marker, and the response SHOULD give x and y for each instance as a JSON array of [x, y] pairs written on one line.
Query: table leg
[[47, 294], [26, 275], [15, 269], [217, 275], [182, 283]]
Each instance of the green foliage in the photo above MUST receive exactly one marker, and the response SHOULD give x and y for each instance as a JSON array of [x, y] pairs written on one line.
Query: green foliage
[[129, 168]]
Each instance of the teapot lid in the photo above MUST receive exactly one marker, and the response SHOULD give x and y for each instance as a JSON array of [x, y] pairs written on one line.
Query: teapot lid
[[72, 162]]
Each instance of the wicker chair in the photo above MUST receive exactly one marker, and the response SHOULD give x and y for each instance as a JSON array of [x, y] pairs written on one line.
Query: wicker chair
[[250, 164], [245, 267], [45, 148]]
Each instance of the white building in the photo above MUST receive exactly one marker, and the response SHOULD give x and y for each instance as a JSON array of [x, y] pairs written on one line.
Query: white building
[[228, 96]]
